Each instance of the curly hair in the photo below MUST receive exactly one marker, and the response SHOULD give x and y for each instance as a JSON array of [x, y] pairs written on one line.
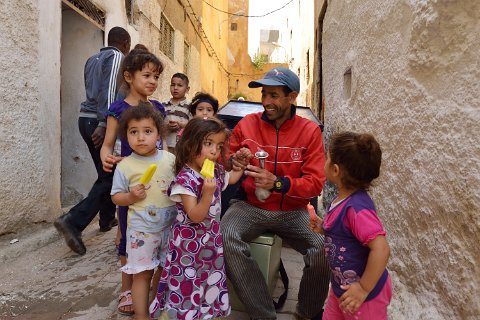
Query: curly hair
[[145, 110]]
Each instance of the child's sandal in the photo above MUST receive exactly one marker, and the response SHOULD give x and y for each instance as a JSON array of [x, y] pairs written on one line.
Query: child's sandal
[[127, 295]]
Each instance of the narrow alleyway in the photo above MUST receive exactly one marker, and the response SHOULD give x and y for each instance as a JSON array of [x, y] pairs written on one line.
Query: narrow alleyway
[[41, 279]]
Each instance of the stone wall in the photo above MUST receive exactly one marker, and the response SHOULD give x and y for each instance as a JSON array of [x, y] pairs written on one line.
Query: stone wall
[[408, 72]]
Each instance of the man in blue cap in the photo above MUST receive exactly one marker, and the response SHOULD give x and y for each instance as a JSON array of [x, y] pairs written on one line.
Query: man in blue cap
[[276, 197]]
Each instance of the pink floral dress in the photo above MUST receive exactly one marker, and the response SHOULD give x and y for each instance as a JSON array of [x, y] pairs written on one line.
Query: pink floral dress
[[193, 284]]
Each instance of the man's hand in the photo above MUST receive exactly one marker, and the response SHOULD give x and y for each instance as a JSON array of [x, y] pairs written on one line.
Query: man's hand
[[98, 136], [241, 159], [353, 298], [110, 161], [263, 179]]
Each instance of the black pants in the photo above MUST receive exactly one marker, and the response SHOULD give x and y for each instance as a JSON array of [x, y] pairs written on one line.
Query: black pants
[[98, 199]]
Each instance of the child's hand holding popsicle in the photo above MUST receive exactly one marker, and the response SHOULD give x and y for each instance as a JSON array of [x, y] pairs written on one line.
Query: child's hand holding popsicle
[[139, 192], [209, 183]]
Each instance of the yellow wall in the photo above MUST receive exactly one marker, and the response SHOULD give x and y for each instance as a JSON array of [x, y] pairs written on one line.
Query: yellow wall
[[242, 70], [213, 57], [239, 81]]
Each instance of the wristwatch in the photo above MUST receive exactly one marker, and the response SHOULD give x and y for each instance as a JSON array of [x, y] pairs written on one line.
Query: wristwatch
[[278, 185]]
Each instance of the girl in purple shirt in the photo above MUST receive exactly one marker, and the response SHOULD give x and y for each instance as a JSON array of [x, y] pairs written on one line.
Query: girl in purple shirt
[[140, 70], [355, 243]]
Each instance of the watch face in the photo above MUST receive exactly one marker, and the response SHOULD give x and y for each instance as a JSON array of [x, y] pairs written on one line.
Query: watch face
[[278, 185]]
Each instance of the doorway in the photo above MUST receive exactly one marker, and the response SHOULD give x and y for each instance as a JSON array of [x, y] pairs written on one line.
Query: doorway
[[79, 40]]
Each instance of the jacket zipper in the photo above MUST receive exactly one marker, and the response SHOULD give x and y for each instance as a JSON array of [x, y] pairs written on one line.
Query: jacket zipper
[[275, 164]]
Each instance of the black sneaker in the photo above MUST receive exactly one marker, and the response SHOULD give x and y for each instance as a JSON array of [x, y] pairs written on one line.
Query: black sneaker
[[110, 225], [72, 238]]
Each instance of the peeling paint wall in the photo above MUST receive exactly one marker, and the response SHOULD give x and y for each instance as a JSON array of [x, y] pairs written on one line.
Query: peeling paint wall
[[408, 72]]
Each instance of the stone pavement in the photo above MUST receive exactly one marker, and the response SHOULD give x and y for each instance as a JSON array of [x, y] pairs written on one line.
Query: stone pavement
[[41, 279]]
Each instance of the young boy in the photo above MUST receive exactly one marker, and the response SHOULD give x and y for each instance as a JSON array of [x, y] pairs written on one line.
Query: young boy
[[177, 109]]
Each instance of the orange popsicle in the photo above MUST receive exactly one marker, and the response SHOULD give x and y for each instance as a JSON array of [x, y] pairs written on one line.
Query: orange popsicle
[[311, 212]]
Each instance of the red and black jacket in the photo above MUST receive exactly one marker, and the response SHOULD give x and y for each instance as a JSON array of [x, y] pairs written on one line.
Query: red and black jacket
[[296, 156]]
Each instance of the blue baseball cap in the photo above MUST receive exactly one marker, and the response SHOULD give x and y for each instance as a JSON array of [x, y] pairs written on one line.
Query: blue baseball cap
[[279, 76]]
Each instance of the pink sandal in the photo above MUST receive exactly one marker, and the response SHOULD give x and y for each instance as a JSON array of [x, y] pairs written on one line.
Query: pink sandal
[[128, 302]]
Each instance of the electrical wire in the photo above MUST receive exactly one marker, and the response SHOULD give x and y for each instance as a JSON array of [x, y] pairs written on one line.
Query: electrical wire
[[247, 16], [208, 45]]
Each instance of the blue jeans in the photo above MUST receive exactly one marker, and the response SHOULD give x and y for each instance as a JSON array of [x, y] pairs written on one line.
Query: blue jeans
[[98, 199]]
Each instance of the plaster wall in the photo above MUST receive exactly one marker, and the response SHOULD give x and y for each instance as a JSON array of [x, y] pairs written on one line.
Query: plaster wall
[[213, 70], [241, 68], [30, 122], [299, 39], [414, 84], [172, 67]]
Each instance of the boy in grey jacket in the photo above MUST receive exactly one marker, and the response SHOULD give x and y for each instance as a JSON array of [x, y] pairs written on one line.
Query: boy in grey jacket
[[100, 75]]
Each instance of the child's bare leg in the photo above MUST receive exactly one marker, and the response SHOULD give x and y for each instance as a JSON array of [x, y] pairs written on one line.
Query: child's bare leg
[[126, 278], [140, 290], [118, 237], [126, 284], [155, 280]]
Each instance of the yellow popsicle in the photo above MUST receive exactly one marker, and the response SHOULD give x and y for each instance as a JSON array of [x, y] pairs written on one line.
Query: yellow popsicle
[[208, 168], [147, 176]]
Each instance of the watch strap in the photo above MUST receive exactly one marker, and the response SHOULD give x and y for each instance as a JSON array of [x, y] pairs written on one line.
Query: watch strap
[[281, 185]]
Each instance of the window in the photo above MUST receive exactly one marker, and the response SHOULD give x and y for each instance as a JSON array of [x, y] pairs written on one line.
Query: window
[[89, 11], [186, 58], [166, 37]]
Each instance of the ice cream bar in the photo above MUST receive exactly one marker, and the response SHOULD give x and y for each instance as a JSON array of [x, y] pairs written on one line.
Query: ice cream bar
[[207, 168], [147, 176], [311, 212]]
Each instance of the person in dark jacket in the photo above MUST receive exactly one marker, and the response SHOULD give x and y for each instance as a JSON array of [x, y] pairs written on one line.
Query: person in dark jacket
[[276, 197], [100, 75]]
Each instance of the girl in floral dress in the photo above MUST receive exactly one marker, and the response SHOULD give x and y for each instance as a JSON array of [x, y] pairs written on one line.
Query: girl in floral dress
[[193, 284]]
